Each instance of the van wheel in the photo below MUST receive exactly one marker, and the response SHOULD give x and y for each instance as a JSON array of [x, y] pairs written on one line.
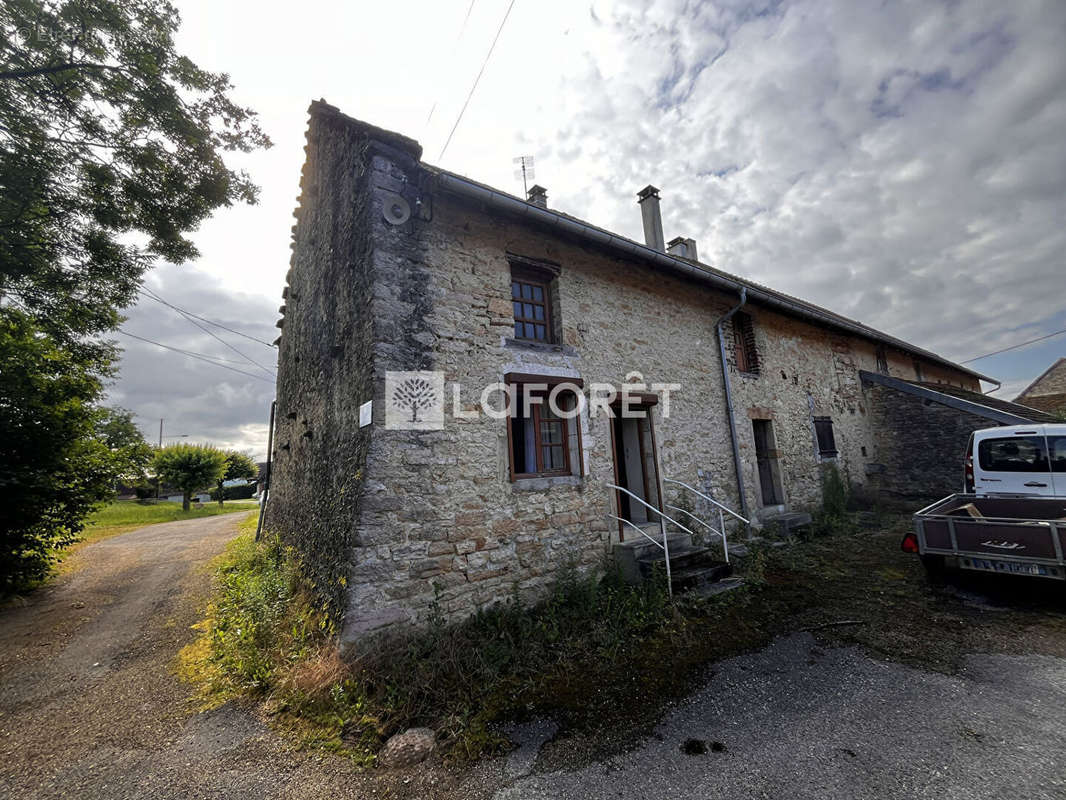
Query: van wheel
[[935, 569]]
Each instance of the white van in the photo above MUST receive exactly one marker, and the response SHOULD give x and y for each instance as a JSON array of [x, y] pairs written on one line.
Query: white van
[[1017, 460]]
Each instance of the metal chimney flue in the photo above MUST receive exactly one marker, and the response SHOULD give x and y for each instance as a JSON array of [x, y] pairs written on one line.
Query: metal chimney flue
[[648, 197], [537, 195]]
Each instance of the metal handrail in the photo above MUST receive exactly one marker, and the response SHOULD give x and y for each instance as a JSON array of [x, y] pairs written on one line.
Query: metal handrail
[[710, 500], [687, 513], [665, 545], [639, 530], [711, 528], [650, 507]]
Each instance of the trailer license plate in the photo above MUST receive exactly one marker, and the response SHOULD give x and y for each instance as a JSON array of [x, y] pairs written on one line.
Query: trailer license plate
[[1010, 567]]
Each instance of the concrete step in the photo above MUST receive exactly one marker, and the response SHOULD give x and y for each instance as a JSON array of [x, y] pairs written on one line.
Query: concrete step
[[785, 525], [680, 557], [698, 576], [718, 587]]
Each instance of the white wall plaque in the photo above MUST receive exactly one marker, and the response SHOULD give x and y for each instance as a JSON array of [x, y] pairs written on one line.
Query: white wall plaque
[[366, 414]]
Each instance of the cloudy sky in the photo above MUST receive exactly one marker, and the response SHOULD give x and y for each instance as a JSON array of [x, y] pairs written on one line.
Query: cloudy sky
[[900, 163]]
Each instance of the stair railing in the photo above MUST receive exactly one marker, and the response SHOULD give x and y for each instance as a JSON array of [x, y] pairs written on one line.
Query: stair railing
[[722, 511], [665, 544]]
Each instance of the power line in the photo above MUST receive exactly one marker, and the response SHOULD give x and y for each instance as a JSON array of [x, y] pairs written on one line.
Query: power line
[[190, 354], [159, 299], [1014, 347], [477, 80], [455, 46], [214, 336]]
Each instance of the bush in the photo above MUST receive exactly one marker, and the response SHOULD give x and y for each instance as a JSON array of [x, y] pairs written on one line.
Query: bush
[[144, 491], [833, 517], [245, 492]]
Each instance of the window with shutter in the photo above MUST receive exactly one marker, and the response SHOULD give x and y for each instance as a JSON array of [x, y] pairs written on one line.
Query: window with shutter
[[747, 356], [823, 428]]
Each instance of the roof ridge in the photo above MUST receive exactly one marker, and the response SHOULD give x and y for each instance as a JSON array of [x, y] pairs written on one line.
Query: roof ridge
[[1041, 377]]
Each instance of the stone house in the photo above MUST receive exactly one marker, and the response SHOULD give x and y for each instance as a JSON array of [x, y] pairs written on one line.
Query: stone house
[[1048, 392], [741, 392]]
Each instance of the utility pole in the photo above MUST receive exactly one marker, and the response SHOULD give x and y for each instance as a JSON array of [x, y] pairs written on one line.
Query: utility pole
[[158, 481]]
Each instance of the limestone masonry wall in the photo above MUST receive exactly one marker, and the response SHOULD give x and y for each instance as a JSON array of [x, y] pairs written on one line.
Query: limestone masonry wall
[[395, 521]]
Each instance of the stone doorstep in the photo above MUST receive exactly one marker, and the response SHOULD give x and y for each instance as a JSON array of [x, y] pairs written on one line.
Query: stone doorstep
[[786, 524]]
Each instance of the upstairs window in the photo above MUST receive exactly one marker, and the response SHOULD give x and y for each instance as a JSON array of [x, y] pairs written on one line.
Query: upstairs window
[[531, 301], [823, 429], [882, 359], [747, 357]]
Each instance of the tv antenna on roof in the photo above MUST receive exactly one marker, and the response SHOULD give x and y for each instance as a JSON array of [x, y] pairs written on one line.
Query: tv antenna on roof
[[524, 171]]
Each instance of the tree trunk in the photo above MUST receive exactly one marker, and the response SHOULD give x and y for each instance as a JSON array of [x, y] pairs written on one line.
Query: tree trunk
[[221, 494], [185, 497]]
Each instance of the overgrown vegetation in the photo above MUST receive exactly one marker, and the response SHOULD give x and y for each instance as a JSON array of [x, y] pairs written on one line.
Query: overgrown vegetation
[[834, 517], [600, 657], [592, 643]]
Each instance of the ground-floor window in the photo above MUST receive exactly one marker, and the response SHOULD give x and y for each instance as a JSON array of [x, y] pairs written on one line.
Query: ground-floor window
[[543, 441], [823, 429]]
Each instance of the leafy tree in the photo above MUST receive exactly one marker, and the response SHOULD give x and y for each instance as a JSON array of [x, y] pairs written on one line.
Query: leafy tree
[[190, 467], [111, 152], [238, 465], [132, 454], [106, 131], [53, 467]]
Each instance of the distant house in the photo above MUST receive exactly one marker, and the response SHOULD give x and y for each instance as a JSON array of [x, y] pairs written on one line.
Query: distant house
[[1048, 392]]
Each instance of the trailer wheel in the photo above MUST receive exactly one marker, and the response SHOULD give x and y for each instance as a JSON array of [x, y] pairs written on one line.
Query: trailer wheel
[[934, 567]]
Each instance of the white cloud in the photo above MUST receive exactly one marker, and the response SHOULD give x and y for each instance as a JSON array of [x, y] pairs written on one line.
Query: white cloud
[[899, 163]]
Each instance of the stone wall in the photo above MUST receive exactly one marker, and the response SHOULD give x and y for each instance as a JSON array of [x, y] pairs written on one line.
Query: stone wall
[[420, 518], [919, 446], [325, 360]]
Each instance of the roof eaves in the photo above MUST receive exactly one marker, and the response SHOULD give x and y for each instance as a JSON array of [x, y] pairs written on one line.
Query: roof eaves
[[756, 292], [917, 390]]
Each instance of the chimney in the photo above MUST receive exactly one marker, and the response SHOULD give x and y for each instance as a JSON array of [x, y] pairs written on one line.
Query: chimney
[[682, 248], [538, 196], [653, 220]]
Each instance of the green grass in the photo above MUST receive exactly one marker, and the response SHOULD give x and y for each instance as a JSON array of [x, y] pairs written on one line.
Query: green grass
[[122, 516]]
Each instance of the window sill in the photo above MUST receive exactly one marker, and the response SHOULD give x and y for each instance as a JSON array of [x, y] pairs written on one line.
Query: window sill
[[545, 483], [749, 375], [538, 347]]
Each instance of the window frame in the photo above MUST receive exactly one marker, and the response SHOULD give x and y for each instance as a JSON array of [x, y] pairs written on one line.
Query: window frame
[[824, 426], [520, 381], [984, 455], [745, 349], [524, 275]]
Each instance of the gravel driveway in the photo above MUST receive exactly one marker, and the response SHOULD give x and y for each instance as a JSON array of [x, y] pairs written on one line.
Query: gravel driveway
[[90, 708]]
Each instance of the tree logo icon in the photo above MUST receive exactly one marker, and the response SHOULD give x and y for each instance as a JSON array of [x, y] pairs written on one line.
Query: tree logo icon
[[414, 400]]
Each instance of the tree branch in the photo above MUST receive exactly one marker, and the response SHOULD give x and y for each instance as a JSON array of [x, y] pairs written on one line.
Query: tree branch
[[65, 67]]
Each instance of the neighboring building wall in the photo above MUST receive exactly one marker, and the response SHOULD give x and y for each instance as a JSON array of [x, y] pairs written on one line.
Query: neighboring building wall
[[919, 446], [1048, 392]]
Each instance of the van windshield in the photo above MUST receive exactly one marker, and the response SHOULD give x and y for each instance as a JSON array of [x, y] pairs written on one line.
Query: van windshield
[[1017, 454]]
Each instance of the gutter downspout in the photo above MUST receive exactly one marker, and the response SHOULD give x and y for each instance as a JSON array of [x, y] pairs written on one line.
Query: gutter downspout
[[729, 400]]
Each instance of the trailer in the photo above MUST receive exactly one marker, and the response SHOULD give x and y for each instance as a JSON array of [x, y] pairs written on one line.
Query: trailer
[[1002, 535]]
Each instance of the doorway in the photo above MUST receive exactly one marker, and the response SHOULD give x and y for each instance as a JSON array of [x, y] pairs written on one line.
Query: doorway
[[767, 461], [635, 468]]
